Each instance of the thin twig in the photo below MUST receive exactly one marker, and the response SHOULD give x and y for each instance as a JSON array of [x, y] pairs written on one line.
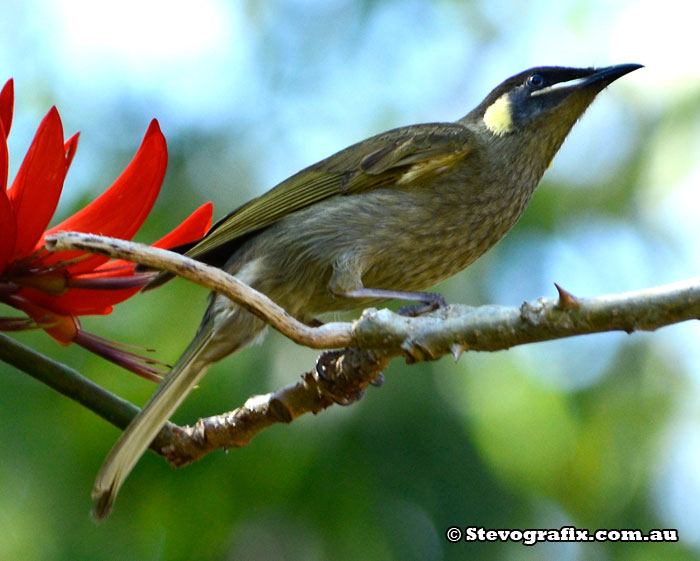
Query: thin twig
[[327, 336]]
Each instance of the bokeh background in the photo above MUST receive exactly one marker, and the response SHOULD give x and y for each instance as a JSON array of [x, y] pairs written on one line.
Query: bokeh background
[[597, 432]]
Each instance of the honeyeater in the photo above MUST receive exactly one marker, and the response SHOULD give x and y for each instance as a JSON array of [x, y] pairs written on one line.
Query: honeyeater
[[383, 219]]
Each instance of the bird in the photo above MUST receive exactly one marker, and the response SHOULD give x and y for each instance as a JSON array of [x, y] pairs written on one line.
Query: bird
[[385, 218]]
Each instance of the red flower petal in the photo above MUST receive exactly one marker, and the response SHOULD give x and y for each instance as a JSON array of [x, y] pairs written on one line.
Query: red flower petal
[[6, 102], [8, 230], [7, 99], [4, 159], [63, 328], [78, 301], [35, 191], [70, 147], [120, 210], [192, 228], [82, 301]]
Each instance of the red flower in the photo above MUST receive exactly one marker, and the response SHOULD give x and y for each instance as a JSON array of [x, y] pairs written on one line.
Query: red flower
[[53, 289]]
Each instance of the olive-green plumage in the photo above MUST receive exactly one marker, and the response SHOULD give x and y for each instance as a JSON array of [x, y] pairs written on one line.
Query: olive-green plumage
[[399, 211]]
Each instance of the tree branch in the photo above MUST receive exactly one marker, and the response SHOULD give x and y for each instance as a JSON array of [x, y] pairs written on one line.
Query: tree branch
[[378, 336], [67, 381], [340, 377], [72, 384]]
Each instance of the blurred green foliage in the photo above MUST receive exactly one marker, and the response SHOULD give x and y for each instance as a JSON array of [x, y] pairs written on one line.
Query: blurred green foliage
[[563, 433]]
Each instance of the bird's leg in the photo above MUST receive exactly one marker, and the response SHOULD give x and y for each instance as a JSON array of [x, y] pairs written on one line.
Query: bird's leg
[[346, 281], [429, 301]]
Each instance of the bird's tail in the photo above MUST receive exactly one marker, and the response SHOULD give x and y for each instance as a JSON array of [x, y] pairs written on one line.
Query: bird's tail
[[203, 351]]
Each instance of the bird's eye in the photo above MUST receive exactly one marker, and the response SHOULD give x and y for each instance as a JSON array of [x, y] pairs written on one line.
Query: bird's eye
[[535, 81]]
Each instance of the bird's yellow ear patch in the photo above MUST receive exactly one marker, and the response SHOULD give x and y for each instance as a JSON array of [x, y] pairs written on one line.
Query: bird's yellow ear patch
[[498, 118]]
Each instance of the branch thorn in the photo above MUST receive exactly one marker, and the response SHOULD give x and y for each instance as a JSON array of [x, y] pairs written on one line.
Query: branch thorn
[[567, 300], [457, 350]]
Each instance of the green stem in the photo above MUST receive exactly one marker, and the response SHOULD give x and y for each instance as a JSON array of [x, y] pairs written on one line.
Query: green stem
[[68, 382]]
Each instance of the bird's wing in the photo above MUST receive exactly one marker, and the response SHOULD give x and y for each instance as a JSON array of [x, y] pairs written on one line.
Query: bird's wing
[[397, 156]]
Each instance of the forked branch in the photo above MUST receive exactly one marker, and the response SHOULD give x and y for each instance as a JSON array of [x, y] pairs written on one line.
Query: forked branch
[[378, 336]]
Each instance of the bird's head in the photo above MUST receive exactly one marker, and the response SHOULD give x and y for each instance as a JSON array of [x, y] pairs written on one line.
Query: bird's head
[[537, 108]]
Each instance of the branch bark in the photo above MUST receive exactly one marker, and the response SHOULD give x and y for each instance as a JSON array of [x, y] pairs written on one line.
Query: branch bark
[[378, 336]]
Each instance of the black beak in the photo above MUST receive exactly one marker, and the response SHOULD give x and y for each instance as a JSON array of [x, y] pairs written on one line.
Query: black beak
[[569, 80], [606, 76]]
